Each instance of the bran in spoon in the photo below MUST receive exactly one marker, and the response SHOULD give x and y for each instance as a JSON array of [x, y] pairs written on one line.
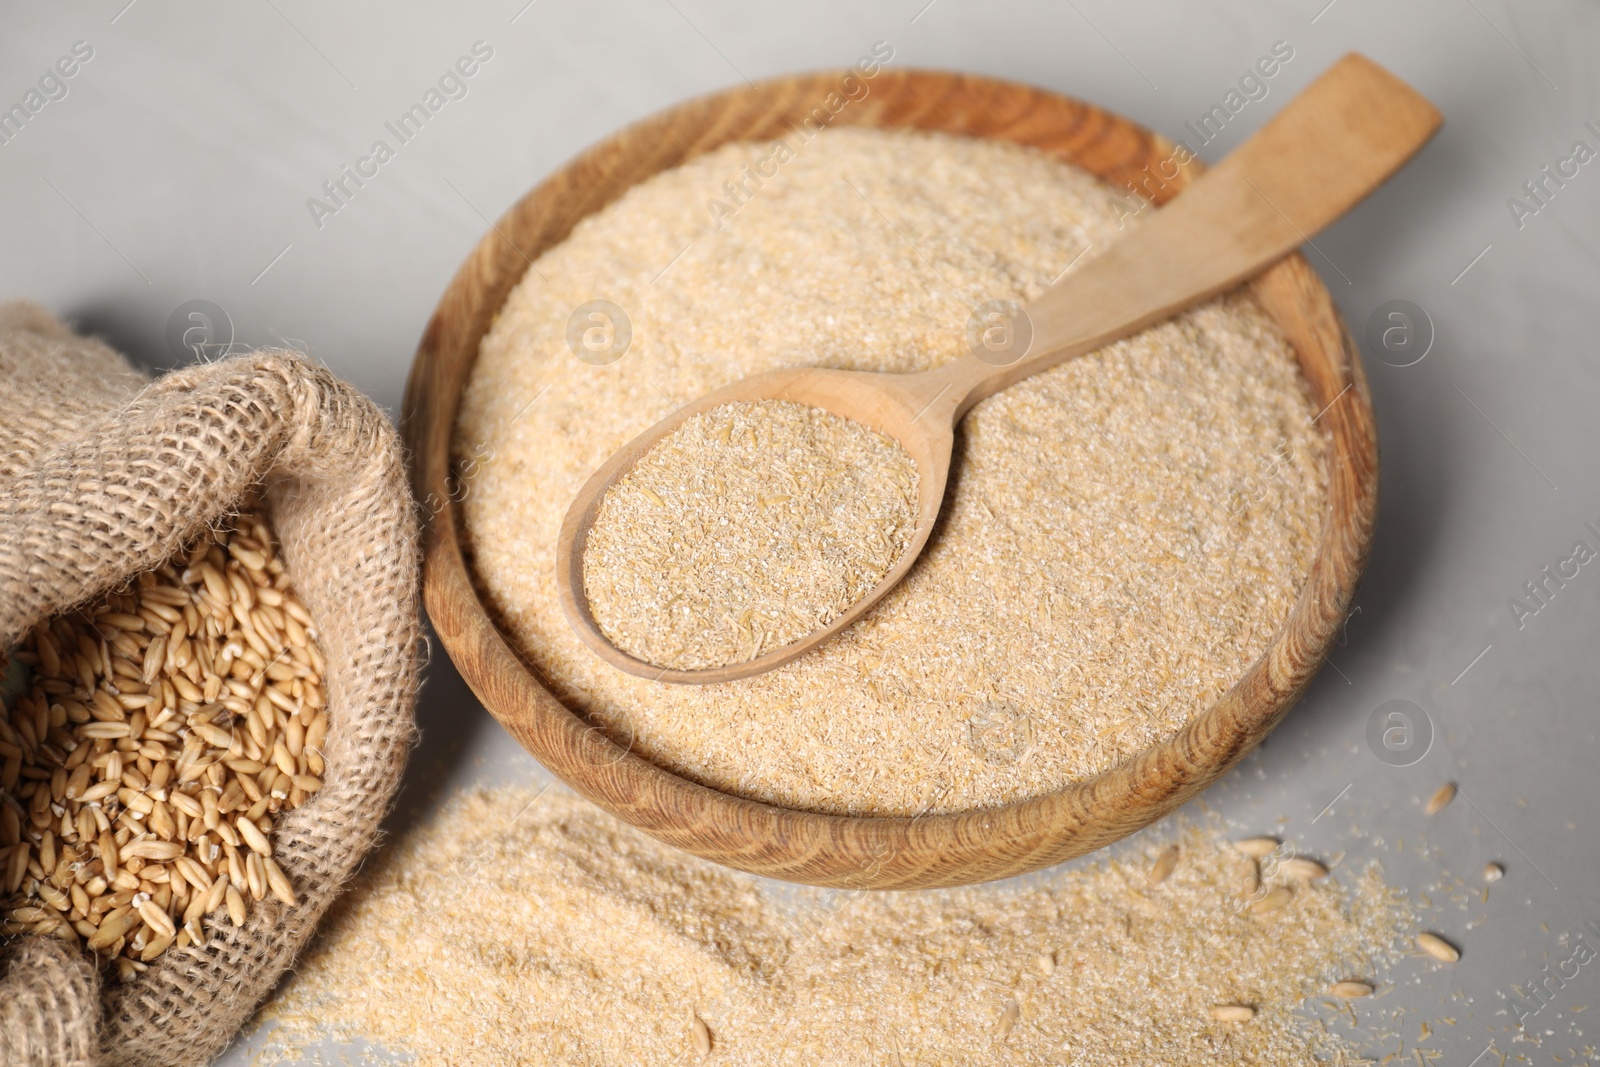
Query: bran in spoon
[[744, 529], [1122, 536]]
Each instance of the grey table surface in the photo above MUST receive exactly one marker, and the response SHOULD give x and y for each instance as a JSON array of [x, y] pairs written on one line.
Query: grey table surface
[[176, 164]]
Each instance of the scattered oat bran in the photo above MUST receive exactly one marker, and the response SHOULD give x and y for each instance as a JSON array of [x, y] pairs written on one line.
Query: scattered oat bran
[[499, 932], [1123, 534], [745, 529]]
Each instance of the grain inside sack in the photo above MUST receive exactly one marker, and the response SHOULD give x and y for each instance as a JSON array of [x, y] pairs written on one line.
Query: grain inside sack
[[1123, 535], [120, 502], [159, 734]]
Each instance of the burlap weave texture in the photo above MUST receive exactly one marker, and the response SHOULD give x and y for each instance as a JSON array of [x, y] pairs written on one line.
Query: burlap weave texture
[[105, 473]]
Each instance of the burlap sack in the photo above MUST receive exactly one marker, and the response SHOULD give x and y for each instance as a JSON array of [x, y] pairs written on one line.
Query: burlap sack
[[103, 474]]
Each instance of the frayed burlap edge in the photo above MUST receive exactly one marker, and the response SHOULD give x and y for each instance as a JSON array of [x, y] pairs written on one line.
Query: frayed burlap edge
[[108, 479]]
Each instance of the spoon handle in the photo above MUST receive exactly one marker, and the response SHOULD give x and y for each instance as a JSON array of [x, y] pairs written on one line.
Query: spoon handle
[[1323, 152]]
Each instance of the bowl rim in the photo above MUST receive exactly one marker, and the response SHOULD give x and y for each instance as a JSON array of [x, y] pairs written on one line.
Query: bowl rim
[[922, 849]]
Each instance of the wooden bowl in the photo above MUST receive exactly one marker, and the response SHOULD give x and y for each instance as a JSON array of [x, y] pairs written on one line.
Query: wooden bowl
[[893, 852]]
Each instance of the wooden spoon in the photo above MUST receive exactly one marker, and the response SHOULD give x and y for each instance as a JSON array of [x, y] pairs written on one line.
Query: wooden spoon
[[1327, 149]]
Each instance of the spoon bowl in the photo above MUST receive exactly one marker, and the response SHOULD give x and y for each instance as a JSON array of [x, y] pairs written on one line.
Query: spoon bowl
[[1330, 146], [893, 405]]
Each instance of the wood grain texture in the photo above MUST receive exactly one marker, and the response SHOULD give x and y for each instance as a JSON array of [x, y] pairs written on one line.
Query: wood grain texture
[[932, 850]]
